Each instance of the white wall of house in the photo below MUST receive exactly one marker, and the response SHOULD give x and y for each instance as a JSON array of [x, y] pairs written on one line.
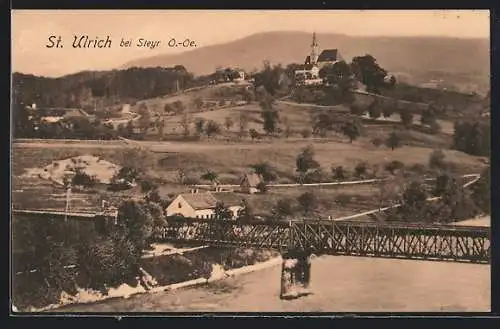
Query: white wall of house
[[180, 206]]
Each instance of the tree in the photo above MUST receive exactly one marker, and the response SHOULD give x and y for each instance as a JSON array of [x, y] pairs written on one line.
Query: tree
[[199, 125], [283, 208], [83, 179], [160, 124], [414, 203], [262, 187], [367, 70], [270, 117], [374, 110], [245, 214], [243, 123], [210, 176], [287, 127], [197, 102], [135, 223], [437, 160], [185, 122], [455, 203], [267, 172], [393, 140], [361, 169], [228, 123], [388, 110], [308, 201], [435, 128], [481, 191], [394, 166], [406, 118], [443, 182], [222, 212], [338, 173], [390, 190], [182, 176], [428, 116], [147, 185], [178, 106], [339, 75], [357, 109], [472, 137], [352, 129], [127, 175], [130, 129], [305, 161], [212, 128]]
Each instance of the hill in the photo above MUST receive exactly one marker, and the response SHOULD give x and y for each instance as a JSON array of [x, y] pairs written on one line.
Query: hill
[[463, 63]]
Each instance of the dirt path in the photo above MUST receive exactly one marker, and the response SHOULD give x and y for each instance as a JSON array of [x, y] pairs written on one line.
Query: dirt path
[[340, 284]]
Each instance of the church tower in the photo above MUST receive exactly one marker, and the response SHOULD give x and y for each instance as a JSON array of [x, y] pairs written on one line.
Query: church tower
[[314, 50]]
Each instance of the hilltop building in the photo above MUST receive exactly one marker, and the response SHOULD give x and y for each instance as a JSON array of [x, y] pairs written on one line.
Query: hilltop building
[[308, 73]]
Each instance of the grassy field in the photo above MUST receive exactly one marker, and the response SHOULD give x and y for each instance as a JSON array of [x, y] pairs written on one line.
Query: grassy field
[[230, 161]]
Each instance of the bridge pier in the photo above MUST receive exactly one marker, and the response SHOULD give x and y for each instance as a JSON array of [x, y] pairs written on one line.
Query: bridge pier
[[295, 274]]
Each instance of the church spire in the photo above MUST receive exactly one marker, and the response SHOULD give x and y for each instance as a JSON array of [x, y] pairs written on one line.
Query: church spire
[[314, 49]]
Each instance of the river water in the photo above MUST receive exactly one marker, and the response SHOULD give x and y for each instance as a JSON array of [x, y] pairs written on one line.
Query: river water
[[339, 284]]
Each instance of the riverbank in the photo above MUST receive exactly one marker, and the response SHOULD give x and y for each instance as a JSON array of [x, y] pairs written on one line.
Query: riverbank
[[338, 283], [177, 268]]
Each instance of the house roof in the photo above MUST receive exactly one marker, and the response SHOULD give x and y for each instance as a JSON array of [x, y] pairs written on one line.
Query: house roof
[[329, 55], [253, 179], [209, 200], [229, 199]]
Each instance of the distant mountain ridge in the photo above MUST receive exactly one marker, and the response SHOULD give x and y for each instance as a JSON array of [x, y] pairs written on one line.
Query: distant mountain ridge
[[406, 55]]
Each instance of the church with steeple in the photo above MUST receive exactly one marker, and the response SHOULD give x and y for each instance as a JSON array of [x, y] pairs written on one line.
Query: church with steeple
[[308, 73]]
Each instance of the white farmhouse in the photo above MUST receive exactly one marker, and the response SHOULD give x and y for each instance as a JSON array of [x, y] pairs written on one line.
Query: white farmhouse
[[202, 205]]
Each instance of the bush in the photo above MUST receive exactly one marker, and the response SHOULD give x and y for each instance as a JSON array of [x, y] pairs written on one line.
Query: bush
[[267, 172], [437, 160], [254, 134], [361, 170], [393, 166], [313, 176], [82, 179], [339, 173]]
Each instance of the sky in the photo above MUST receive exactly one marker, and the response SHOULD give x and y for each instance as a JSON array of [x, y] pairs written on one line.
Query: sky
[[31, 30]]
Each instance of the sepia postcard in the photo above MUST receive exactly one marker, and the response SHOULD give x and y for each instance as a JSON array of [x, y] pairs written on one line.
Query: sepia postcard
[[250, 161]]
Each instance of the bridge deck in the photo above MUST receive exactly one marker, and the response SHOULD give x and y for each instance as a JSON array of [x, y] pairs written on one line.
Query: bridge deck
[[395, 240]]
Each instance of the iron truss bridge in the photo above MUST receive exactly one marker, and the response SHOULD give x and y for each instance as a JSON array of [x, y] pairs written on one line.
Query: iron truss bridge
[[402, 240]]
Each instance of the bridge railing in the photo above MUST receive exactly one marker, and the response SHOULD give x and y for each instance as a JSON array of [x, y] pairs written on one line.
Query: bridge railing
[[395, 240]]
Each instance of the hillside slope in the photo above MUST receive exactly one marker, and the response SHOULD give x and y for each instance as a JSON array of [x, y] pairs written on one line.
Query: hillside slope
[[420, 58]]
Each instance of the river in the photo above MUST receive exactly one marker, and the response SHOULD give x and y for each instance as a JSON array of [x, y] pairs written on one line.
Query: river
[[339, 284]]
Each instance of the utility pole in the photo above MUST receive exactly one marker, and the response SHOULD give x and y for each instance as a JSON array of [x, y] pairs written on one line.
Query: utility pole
[[68, 199]]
